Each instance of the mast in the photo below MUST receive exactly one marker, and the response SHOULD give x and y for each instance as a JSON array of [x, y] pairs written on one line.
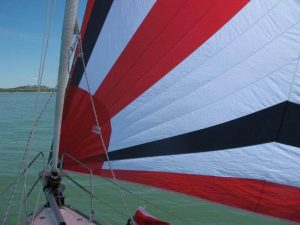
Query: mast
[[66, 43]]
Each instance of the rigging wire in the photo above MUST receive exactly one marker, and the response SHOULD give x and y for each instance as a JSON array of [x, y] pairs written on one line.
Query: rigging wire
[[81, 54], [21, 169], [110, 206], [40, 190], [115, 181], [10, 185], [262, 190], [11, 198], [148, 202], [28, 148], [49, 21], [294, 77], [38, 198]]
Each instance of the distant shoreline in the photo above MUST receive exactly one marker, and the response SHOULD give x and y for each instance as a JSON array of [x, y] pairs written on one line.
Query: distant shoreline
[[27, 89]]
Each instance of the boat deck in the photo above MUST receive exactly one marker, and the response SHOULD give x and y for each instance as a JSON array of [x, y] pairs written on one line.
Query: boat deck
[[47, 217]]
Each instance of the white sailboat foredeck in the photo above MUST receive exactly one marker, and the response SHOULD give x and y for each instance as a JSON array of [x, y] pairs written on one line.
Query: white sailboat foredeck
[[47, 217]]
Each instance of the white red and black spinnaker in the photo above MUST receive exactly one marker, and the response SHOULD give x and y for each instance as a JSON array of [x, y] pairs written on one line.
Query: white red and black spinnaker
[[197, 97]]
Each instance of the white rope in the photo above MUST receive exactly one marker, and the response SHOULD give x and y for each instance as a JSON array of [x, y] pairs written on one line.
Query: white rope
[[98, 125], [50, 161], [40, 191], [115, 181], [49, 21], [21, 171]]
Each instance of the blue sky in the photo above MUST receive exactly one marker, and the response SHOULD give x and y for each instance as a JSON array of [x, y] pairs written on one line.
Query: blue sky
[[21, 33]]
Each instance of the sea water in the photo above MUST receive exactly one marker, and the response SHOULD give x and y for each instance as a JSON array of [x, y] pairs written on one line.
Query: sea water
[[16, 116]]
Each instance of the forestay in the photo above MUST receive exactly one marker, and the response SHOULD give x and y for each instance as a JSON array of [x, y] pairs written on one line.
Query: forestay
[[198, 97]]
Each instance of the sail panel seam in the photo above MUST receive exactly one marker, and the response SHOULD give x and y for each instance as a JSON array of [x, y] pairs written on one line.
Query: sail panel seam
[[257, 128]]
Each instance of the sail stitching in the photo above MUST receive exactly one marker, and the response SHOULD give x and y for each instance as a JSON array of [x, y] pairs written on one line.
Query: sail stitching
[[218, 99], [298, 22], [279, 129], [216, 53], [148, 47], [294, 77], [170, 49], [288, 98]]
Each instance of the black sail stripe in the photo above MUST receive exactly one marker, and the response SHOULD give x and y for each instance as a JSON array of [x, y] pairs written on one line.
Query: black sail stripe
[[96, 21], [289, 132], [278, 123]]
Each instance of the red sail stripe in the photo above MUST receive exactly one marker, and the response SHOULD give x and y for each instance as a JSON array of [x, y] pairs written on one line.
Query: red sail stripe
[[277, 200], [87, 13], [157, 47], [77, 136], [259, 196], [171, 31]]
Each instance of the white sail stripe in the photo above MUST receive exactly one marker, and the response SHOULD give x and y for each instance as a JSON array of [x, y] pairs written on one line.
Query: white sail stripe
[[294, 90], [121, 23], [149, 112], [200, 57], [219, 111], [273, 162]]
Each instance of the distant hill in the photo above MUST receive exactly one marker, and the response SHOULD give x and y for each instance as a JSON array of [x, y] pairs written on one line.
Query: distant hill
[[28, 88]]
